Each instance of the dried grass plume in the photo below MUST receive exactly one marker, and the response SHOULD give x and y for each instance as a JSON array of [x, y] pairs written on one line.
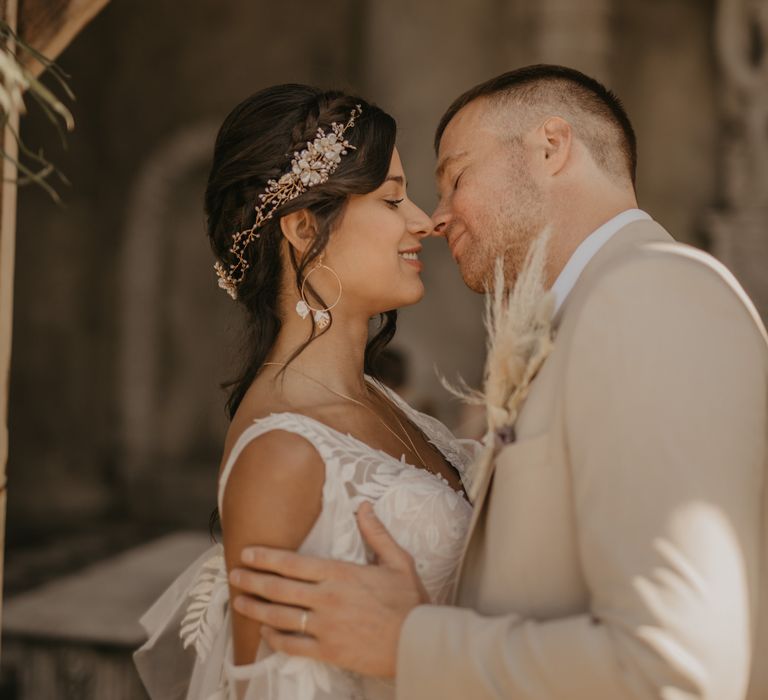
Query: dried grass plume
[[519, 326]]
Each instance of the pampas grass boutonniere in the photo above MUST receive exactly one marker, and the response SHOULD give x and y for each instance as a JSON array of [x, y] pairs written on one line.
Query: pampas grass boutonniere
[[519, 326]]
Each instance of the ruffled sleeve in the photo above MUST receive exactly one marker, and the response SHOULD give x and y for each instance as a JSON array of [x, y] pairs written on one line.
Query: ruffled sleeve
[[164, 664], [189, 651], [281, 677]]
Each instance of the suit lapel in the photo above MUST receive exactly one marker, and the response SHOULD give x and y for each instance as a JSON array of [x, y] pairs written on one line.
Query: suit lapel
[[485, 465]]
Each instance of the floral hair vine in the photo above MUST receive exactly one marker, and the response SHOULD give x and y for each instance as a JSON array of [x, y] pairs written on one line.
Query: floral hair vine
[[309, 167]]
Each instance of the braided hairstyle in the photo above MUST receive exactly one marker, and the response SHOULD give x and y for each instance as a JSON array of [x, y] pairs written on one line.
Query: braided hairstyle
[[255, 144]]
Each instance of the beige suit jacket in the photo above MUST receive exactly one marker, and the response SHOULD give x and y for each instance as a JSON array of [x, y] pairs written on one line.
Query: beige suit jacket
[[615, 550]]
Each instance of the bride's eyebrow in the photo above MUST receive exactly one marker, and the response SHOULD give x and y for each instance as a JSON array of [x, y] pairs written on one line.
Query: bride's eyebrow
[[398, 179]]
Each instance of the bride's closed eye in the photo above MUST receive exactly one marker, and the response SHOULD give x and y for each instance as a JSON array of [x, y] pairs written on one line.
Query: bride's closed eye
[[394, 203]]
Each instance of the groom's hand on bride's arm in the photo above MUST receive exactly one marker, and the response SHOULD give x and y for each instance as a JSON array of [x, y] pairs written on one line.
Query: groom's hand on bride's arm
[[354, 612]]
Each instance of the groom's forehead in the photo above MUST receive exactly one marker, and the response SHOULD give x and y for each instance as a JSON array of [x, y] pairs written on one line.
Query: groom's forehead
[[470, 131], [466, 120]]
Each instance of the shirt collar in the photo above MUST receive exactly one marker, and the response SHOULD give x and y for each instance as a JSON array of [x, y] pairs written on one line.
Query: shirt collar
[[588, 248]]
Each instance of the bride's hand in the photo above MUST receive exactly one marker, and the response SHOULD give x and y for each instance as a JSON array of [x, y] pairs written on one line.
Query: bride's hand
[[351, 614]]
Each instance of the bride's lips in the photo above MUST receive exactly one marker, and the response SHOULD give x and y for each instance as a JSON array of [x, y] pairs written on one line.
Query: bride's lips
[[416, 263]]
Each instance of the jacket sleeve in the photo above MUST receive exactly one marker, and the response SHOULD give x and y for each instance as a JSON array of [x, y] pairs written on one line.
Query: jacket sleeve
[[665, 410]]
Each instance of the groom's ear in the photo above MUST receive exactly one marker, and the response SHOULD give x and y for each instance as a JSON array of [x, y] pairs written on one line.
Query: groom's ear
[[299, 229], [557, 138]]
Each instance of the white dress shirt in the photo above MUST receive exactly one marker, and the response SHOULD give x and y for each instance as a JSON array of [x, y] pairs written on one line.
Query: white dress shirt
[[588, 248]]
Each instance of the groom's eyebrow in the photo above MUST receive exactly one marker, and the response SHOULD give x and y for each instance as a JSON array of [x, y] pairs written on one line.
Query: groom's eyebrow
[[442, 166]]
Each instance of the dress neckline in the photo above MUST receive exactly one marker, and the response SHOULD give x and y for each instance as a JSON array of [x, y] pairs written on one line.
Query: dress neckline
[[406, 409]]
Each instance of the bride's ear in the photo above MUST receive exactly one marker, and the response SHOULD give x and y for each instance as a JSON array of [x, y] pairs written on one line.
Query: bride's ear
[[299, 229]]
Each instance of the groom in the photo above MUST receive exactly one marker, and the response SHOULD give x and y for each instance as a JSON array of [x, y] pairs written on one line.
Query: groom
[[617, 543]]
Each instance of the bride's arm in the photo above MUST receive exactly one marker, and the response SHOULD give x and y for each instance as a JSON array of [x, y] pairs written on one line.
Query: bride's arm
[[273, 497]]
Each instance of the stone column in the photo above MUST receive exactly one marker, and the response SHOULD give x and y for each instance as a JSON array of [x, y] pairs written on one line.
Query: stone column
[[738, 225]]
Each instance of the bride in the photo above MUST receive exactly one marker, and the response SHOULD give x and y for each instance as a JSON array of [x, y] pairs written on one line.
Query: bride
[[314, 235]]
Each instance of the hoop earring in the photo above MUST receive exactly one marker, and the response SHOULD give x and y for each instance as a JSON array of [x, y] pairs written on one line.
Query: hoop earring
[[303, 307]]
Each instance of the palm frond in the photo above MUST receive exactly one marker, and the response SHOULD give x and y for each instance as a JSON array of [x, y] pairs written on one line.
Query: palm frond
[[15, 80]]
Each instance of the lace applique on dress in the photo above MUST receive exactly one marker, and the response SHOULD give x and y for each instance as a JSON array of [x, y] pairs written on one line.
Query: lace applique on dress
[[421, 511], [205, 612]]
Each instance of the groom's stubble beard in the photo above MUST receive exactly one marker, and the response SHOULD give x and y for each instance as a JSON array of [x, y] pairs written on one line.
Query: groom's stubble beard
[[505, 228]]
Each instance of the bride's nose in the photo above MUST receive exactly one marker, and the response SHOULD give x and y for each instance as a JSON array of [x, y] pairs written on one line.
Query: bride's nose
[[419, 222]]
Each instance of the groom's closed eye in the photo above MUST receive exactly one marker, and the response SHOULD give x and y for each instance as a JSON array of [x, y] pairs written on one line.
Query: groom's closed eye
[[454, 186], [449, 163]]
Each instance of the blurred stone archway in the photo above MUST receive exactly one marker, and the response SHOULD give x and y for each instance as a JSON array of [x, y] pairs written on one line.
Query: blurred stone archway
[[176, 331]]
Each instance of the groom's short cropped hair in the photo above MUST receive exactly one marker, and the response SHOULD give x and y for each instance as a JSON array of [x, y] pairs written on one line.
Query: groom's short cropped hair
[[594, 112]]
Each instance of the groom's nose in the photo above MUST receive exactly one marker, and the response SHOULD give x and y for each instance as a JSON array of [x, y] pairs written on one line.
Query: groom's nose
[[440, 217]]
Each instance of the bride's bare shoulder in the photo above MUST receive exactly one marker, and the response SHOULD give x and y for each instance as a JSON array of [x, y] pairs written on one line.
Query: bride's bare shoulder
[[277, 446], [283, 458], [280, 463], [272, 492], [272, 497], [280, 457]]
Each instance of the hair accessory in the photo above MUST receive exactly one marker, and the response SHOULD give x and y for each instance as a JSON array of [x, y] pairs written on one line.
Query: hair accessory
[[322, 317], [310, 167]]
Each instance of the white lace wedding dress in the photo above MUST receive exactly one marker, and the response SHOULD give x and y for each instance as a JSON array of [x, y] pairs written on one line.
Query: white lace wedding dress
[[189, 652]]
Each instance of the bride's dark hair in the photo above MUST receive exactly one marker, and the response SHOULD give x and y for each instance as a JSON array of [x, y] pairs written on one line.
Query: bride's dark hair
[[255, 144]]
